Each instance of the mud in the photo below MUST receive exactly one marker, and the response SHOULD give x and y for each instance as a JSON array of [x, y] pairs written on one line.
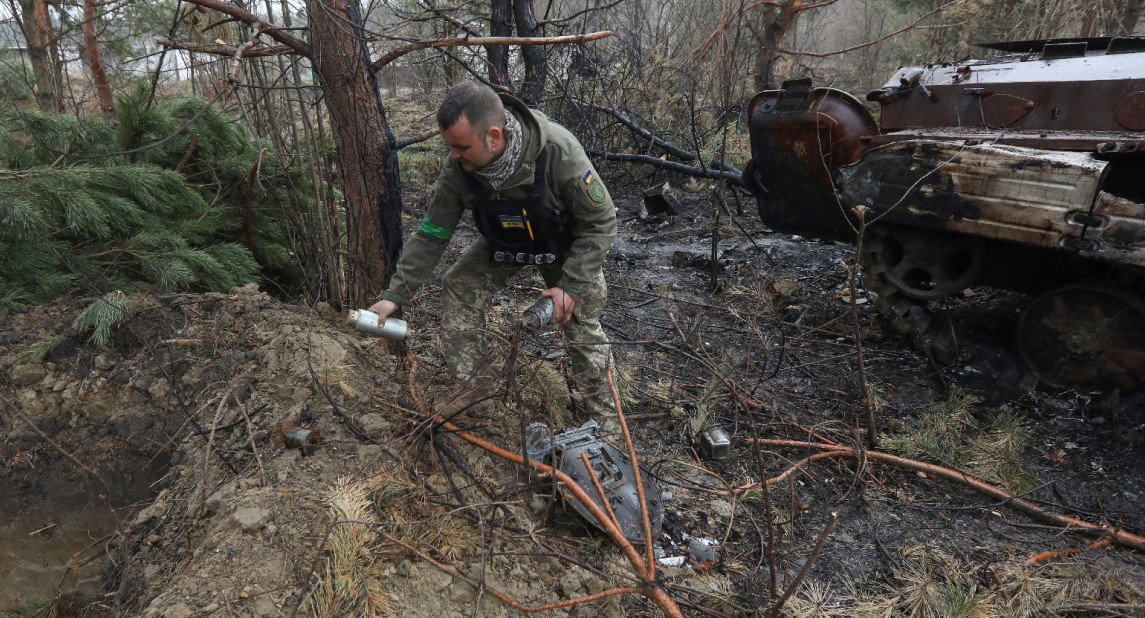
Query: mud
[[243, 526]]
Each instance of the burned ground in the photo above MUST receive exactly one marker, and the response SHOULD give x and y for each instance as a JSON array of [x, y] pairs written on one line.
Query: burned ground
[[768, 351]]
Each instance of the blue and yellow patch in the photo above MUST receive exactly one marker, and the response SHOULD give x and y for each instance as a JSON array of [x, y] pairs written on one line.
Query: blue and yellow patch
[[593, 188], [508, 221]]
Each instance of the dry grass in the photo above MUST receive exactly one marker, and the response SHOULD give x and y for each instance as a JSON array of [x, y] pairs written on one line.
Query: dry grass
[[953, 435], [934, 582], [421, 521], [352, 582]]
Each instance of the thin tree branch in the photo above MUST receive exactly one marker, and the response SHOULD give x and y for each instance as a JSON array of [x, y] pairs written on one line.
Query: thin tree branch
[[729, 173], [273, 31], [225, 50], [394, 54], [874, 42], [659, 142]]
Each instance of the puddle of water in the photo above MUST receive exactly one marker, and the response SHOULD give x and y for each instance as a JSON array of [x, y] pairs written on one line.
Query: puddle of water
[[38, 544], [53, 519]]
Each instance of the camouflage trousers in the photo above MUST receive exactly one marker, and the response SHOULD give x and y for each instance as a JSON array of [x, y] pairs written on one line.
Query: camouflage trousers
[[472, 282]]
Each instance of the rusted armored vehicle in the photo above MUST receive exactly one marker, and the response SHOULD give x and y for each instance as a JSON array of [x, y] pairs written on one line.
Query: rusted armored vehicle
[[1024, 170]]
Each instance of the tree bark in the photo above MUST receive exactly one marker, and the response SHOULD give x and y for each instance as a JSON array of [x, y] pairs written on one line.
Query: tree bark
[[777, 20], [500, 24], [98, 74], [1128, 15], [37, 28], [536, 56], [368, 165]]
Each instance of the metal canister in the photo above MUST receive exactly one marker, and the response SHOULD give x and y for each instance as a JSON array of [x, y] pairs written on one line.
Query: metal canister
[[539, 314], [301, 438], [715, 444], [365, 321]]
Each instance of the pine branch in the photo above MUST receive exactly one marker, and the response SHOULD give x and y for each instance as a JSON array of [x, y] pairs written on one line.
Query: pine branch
[[104, 314]]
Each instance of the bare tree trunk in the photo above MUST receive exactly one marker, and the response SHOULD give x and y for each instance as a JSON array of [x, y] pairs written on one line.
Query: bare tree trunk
[[1128, 15], [368, 161], [536, 56], [37, 27], [500, 24], [1089, 21], [769, 35], [91, 45]]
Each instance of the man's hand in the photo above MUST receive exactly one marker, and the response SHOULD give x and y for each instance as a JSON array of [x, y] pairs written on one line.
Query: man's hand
[[562, 305], [383, 308]]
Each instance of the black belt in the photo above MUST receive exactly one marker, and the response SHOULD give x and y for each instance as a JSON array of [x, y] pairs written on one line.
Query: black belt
[[508, 257]]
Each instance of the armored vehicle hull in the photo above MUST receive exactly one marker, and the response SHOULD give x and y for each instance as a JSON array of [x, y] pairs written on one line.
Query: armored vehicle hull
[[1024, 171]]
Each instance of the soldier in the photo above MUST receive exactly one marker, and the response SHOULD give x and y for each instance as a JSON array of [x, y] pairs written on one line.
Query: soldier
[[536, 199]]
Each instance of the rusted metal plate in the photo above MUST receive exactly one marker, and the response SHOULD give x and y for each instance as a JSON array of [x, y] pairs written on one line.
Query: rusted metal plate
[[1067, 94], [1002, 192], [1085, 141], [1003, 110], [1130, 111], [799, 136], [1115, 230]]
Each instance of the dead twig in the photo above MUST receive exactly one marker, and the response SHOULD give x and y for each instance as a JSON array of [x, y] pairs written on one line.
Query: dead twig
[[504, 597], [1054, 555], [650, 560], [1121, 537], [819, 545]]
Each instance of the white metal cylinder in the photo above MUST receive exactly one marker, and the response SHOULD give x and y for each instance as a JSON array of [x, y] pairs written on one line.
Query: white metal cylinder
[[367, 322]]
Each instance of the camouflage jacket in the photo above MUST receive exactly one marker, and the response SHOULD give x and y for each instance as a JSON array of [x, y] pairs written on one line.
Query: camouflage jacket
[[571, 185]]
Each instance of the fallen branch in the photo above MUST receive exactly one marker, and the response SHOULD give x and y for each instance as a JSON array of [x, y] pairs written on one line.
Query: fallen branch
[[659, 142], [819, 545], [1054, 555], [417, 139], [727, 173], [1120, 537]]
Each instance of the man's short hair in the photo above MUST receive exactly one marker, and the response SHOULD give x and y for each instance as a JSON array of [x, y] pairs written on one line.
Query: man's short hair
[[481, 106]]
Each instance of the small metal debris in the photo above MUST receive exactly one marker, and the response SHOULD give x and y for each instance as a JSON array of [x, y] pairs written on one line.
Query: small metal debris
[[659, 200], [703, 549], [302, 438], [715, 444]]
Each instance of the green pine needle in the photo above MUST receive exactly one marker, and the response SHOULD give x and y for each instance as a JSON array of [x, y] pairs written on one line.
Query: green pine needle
[[36, 352], [104, 315]]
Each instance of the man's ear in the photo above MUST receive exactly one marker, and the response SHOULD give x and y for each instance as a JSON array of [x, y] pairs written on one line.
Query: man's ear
[[495, 138]]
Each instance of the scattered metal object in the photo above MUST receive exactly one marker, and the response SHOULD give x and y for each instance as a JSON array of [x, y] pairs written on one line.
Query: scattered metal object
[[365, 321], [715, 443], [1019, 171], [302, 438], [659, 200], [703, 549], [613, 470], [539, 314]]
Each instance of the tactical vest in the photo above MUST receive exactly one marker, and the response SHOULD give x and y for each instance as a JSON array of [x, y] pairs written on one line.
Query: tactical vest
[[521, 230]]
